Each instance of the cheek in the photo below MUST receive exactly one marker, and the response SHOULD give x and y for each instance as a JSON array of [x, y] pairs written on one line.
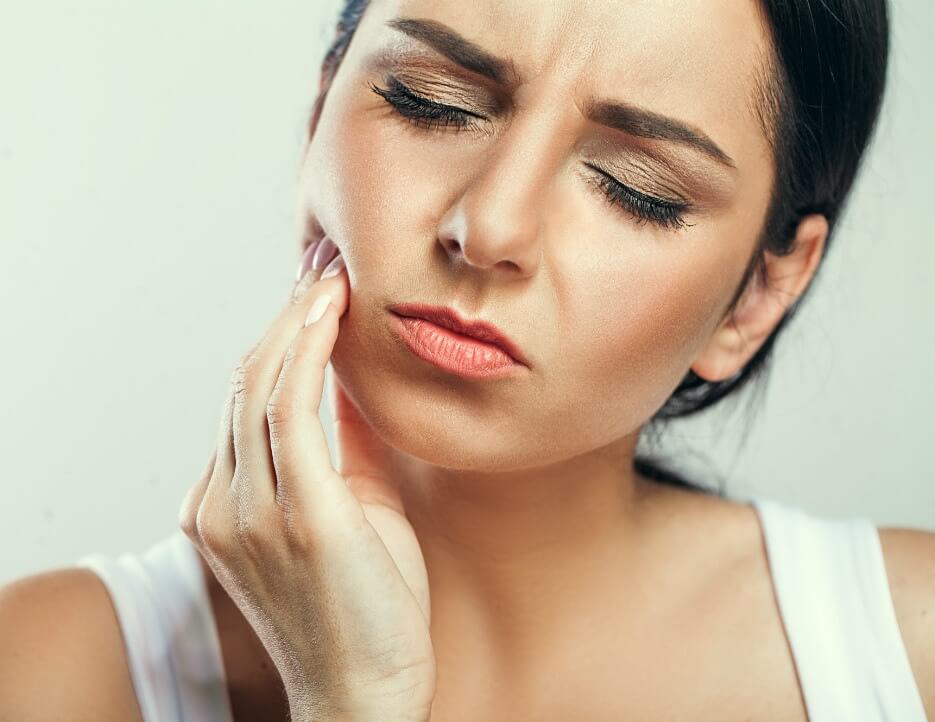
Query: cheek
[[363, 177], [634, 333], [627, 329]]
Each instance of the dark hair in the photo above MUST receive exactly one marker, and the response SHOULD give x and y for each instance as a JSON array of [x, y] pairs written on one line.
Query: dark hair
[[817, 97]]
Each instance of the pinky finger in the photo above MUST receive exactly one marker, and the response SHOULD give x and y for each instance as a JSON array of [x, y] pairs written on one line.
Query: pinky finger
[[221, 464], [188, 511]]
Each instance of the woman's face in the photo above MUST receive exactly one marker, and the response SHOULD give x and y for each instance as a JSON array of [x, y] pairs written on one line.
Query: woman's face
[[510, 212]]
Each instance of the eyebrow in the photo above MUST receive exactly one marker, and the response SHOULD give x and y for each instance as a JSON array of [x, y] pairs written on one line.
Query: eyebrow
[[625, 117]]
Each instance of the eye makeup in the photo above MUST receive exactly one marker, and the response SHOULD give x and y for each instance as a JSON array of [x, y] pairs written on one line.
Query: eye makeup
[[710, 188], [430, 114], [424, 112], [646, 208]]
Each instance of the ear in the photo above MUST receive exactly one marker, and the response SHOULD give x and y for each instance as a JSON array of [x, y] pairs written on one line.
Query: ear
[[761, 308]]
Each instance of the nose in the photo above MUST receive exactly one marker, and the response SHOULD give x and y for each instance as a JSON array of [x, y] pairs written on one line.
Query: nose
[[497, 222]]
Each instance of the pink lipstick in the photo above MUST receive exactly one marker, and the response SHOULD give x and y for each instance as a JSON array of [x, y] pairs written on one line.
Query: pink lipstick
[[472, 349]]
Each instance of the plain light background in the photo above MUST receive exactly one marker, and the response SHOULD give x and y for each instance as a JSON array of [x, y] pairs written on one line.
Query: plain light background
[[147, 173]]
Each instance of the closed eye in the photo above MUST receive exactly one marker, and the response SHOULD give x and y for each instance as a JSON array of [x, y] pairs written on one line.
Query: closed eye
[[662, 212], [429, 114], [423, 112]]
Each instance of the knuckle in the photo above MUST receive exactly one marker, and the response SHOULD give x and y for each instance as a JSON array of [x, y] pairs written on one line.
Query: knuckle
[[290, 357], [187, 513], [243, 379], [186, 521], [307, 351], [209, 531], [279, 412], [316, 356]]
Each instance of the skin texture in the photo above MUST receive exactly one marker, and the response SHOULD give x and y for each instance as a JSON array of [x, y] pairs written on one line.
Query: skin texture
[[521, 492], [563, 585]]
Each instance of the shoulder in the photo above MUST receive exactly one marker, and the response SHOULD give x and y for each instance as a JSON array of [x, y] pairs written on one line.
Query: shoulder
[[909, 557], [63, 653]]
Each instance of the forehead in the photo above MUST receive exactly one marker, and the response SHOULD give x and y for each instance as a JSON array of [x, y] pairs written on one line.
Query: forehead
[[694, 60]]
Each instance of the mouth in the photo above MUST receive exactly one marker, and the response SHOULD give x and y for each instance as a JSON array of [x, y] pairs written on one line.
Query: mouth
[[470, 348]]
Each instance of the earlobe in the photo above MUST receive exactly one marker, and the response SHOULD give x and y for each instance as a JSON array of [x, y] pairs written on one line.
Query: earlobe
[[762, 305]]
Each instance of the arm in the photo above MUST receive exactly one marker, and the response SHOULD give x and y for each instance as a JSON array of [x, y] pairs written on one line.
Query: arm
[[63, 654], [910, 564]]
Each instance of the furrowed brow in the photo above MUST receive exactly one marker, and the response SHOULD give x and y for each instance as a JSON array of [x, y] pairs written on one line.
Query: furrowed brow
[[457, 48], [621, 116]]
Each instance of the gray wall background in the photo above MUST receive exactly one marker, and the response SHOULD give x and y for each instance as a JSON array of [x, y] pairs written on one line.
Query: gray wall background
[[147, 162]]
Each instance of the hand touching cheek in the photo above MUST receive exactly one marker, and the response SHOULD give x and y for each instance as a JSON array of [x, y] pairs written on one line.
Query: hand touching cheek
[[313, 557]]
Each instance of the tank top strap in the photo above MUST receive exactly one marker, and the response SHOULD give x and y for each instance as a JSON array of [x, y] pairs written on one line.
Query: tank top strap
[[169, 634], [834, 597]]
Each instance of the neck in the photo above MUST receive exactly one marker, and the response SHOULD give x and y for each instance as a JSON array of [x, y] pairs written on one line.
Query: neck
[[512, 554]]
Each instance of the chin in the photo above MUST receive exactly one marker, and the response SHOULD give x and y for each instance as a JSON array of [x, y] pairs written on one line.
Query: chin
[[428, 421]]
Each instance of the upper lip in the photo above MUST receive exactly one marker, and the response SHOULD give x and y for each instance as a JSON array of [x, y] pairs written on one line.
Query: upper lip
[[449, 318]]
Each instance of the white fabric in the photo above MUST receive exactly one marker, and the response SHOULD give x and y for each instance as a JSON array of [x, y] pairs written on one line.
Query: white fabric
[[168, 629], [829, 577], [836, 605]]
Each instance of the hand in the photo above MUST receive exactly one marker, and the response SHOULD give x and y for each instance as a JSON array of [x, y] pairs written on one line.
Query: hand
[[323, 565]]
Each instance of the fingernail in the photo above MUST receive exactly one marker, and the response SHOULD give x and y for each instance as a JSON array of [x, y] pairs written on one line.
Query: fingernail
[[323, 253], [334, 268], [318, 308], [306, 263]]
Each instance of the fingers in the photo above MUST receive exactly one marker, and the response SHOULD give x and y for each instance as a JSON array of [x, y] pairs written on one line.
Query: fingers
[[220, 466], [269, 388], [257, 374], [272, 382], [188, 511], [224, 466], [307, 483]]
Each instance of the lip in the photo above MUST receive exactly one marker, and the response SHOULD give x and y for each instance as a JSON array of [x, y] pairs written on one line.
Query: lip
[[451, 319], [471, 348]]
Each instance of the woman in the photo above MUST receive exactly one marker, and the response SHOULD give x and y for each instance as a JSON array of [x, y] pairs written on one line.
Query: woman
[[546, 227]]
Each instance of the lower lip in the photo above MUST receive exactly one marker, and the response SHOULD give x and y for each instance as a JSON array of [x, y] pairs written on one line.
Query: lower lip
[[453, 352]]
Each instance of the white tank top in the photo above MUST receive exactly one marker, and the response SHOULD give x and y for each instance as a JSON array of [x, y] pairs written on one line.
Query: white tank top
[[829, 577]]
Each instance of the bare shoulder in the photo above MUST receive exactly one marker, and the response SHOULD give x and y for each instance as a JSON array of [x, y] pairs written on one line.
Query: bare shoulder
[[737, 613], [63, 654], [909, 556]]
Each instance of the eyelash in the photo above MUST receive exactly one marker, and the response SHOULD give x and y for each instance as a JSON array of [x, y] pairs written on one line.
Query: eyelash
[[425, 113], [646, 208]]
